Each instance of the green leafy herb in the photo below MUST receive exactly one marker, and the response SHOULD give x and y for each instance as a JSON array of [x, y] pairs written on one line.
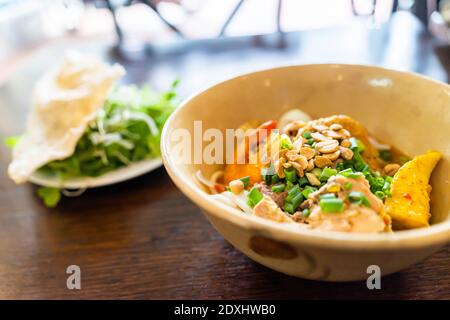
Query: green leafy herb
[[50, 196], [126, 130]]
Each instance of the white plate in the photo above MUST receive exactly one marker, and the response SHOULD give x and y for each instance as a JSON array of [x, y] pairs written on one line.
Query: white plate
[[119, 175]]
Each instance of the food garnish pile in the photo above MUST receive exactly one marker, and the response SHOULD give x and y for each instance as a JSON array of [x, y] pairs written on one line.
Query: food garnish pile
[[327, 174], [82, 125]]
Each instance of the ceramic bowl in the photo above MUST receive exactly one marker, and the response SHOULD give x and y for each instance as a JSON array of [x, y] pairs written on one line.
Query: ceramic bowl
[[406, 110]]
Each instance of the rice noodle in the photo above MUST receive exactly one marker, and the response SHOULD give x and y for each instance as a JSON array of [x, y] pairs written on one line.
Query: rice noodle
[[240, 200], [203, 180], [209, 183], [224, 199]]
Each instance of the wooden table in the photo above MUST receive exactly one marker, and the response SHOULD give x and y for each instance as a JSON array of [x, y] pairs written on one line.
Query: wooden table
[[143, 239]]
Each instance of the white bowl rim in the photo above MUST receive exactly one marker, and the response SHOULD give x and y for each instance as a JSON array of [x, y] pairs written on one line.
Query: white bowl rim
[[437, 234]]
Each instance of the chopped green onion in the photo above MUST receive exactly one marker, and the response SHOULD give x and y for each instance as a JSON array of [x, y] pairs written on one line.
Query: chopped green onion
[[358, 198], [357, 145], [289, 207], [329, 205], [348, 173], [267, 179], [275, 178], [293, 200], [327, 196], [340, 166], [358, 161], [302, 181], [308, 190], [306, 135], [245, 180], [279, 187], [289, 185], [295, 203], [348, 185], [380, 194], [267, 174], [254, 197], [291, 175], [285, 142], [293, 192], [327, 173], [306, 213]]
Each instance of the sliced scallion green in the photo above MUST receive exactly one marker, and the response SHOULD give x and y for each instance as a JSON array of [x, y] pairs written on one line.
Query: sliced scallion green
[[245, 180], [327, 173], [358, 198], [254, 197], [308, 190], [306, 213], [278, 187], [291, 175], [327, 196], [330, 205], [348, 185]]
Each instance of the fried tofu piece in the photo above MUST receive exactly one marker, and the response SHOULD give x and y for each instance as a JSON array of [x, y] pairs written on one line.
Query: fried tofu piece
[[409, 205]]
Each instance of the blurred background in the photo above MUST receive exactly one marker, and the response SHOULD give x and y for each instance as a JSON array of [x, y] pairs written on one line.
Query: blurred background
[[204, 41]]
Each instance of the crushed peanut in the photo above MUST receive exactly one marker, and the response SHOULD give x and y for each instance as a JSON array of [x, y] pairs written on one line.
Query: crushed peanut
[[333, 156], [312, 179], [307, 152], [336, 126], [346, 153], [322, 162], [331, 146], [328, 146]]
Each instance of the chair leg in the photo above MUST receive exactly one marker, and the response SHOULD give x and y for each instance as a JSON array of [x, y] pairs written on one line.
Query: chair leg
[[167, 23], [279, 8], [231, 16]]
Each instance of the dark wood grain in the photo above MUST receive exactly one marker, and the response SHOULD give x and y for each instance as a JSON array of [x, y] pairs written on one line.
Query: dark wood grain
[[143, 239]]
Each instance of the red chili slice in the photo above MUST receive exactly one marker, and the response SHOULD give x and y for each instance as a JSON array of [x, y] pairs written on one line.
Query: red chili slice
[[220, 188]]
